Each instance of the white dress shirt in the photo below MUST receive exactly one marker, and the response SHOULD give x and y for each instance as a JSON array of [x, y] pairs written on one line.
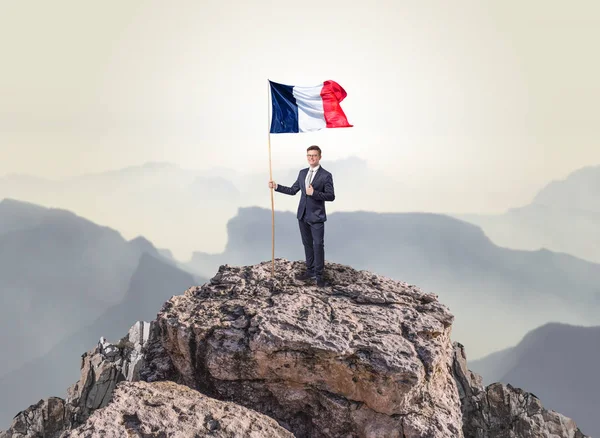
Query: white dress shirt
[[314, 172], [306, 181]]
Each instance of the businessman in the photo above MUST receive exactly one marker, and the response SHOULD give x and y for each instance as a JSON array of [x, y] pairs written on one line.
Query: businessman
[[316, 187]]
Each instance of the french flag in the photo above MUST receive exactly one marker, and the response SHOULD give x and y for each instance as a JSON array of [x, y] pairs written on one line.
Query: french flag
[[303, 109]]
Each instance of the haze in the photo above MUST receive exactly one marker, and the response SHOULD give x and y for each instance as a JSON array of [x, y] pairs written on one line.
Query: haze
[[470, 107]]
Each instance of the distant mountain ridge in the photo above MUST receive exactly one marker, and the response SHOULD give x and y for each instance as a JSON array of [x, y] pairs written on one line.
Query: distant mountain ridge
[[579, 191], [60, 272], [483, 284], [149, 199], [138, 200], [559, 364], [58, 269], [16, 215], [151, 284], [564, 216]]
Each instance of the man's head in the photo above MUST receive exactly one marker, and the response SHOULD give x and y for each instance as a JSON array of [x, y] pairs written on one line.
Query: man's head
[[313, 155]]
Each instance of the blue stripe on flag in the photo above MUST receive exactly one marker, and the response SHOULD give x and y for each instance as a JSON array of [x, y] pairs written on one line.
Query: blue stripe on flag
[[285, 110]]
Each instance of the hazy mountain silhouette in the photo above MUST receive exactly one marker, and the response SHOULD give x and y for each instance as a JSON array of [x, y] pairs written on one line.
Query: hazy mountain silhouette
[[564, 216], [140, 200], [15, 215], [495, 365], [486, 286], [152, 284], [559, 364], [58, 272], [149, 199], [579, 191]]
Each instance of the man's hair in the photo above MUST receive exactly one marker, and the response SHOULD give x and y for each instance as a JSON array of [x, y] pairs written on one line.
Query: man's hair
[[314, 147]]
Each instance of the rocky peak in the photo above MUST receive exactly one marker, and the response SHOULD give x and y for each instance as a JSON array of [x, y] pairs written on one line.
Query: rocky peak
[[323, 361], [503, 411], [365, 357]]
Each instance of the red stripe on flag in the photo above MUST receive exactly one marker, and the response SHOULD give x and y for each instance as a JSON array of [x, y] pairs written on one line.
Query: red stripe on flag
[[332, 94]]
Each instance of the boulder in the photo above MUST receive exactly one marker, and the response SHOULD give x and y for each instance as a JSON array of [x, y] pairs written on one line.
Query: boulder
[[163, 409], [367, 356], [246, 354]]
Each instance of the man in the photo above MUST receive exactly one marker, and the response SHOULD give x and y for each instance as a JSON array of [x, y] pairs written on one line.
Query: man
[[316, 185]]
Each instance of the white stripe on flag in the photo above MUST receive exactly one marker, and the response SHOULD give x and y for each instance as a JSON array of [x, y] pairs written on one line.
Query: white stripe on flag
[[311, 116]]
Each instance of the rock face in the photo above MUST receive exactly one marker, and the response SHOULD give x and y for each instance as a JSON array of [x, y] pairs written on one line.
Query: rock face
[[101, 369], [502, 411], [364, 357], [163, 409], [44, 419], [368, 356]]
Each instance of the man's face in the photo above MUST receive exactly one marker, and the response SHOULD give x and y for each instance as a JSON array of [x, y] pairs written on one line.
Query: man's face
[[313, 158]]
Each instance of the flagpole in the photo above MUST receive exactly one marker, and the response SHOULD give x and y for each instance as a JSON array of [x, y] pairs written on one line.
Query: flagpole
[[271, 179]]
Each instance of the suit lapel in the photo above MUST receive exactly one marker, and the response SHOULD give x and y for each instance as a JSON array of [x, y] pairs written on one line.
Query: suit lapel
[[304, 174], [303, 185]]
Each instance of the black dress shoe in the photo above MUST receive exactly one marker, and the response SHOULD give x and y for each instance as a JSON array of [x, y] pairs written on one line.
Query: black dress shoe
[[305, 276], [321, 282]]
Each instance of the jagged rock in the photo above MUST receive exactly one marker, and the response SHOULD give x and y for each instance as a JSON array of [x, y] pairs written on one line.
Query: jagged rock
[[162, 409], [365, 357], [44, 419], [101, 369], [368, 356], [502, 411]]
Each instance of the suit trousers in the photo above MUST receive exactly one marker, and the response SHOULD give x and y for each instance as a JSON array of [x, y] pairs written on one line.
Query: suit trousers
[[313, 235]]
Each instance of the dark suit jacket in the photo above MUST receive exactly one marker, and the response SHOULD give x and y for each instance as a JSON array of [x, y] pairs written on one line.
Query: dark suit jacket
[[312, 208]]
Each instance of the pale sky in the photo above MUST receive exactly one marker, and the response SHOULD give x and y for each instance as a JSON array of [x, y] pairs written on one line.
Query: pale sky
[[475, 105]]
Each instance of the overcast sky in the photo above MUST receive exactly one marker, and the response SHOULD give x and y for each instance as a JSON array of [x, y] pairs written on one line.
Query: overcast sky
[[473, 105]]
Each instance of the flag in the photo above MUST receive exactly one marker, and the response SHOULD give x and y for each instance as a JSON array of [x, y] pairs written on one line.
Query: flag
[[302, 109]]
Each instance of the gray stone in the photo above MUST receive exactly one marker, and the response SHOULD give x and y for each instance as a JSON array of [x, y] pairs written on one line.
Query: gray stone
[[165, 409], [366, 357], [502, 411], [101, 369]]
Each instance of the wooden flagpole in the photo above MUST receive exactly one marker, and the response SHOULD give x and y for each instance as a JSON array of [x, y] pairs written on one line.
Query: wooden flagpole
[[272, 189]]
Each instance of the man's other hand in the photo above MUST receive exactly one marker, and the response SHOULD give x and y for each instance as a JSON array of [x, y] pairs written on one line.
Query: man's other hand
[[310, 190], [272, 185]]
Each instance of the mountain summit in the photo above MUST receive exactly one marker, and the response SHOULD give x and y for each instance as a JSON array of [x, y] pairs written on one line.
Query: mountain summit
[[366, 356]]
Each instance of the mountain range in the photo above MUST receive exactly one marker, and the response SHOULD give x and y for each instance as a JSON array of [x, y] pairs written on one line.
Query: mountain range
[[181, 209], [65, 282], [497, 294], [564, 216], [145, 199], [556, 362], [68, 280]]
